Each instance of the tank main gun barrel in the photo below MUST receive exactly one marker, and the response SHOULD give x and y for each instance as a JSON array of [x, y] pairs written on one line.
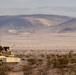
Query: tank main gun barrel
[[12, 47]]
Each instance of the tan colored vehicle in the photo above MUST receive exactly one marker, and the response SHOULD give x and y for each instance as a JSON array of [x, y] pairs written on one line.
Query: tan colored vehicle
[[6, 56]]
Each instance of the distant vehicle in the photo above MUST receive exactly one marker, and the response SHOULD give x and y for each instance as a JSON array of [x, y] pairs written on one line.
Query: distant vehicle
[[6, 56]]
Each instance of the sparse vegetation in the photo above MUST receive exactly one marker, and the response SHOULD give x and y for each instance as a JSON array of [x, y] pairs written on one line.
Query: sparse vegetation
[[62, 64], [45, 64], [4, 70], [31, 61]]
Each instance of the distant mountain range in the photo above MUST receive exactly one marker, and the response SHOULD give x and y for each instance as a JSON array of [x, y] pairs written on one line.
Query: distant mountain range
[[37, 22]]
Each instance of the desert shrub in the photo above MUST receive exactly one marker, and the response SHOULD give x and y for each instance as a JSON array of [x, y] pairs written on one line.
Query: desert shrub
[[4, 70], [31, 61], [48, 56], [28, 55], [70, 54], [27, 69], [73, 60], [3, 73], [48, 64], [39, 62], [60, 62], [63, 62], [42, 55]]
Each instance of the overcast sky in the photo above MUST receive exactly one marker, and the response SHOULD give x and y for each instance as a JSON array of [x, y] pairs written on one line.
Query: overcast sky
[[57, 7]]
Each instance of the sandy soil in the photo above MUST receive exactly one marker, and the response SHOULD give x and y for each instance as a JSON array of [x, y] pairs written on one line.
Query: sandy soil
[[40, 41], [16, 73]]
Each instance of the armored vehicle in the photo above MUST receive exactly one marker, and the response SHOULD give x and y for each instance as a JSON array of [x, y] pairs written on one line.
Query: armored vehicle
[[6, 56]]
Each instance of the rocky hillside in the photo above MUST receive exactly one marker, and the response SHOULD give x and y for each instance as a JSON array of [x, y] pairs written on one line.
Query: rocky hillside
[[35, 23]]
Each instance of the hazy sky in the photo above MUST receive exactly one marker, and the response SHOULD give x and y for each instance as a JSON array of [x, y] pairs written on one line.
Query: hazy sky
[[59, 7]]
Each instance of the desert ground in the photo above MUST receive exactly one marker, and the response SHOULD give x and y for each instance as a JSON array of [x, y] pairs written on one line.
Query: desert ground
[[44, 62], [40, 41], [42, 54]]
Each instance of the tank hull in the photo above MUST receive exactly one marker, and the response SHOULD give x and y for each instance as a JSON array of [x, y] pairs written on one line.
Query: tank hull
[[9, 59]]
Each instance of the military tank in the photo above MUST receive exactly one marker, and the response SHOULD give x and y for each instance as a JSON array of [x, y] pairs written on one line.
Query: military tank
[[6, 56]]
